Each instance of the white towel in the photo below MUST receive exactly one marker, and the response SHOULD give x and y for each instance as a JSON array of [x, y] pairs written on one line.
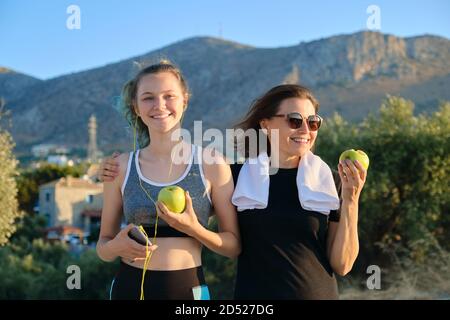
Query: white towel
[[315, 184]]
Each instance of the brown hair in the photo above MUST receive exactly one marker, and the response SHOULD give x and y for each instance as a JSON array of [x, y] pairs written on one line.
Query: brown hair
[[266, 107], [129, 91]]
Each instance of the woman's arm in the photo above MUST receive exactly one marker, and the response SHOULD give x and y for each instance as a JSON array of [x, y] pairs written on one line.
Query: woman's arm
[[342, 238], [114, 242], [227, 241]]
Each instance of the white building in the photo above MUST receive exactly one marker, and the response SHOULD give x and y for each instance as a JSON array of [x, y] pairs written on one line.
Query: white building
[[71, 202]]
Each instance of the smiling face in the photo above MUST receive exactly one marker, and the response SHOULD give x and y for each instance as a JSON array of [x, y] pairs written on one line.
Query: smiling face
[[292, 142], [160, 101]]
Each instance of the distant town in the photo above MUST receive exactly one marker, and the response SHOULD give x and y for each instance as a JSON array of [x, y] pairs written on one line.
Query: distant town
[[71, 206]]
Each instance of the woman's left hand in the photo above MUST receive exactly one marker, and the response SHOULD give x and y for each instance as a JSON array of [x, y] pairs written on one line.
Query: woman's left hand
[[353, 176], [185, 222]]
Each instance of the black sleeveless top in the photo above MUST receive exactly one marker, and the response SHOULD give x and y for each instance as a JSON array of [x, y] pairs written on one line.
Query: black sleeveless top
[[284, 246]]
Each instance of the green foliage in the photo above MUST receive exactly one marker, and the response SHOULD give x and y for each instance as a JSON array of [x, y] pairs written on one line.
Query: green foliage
[[8, 188], [219, 271], [35, 269], [406, 196], [29, 227], [40, 272]]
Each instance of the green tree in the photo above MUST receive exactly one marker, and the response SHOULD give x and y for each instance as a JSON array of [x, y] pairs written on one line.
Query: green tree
[[39, 271], [406, 196], [29, 227], [8, 188]]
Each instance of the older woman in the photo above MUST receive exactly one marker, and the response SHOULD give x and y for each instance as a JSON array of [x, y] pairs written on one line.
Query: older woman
[[295, 231]]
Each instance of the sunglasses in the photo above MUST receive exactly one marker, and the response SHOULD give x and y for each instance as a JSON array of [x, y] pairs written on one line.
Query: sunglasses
[[295, 120]]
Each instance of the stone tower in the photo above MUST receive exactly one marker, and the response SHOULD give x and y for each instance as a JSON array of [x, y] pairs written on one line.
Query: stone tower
[[92, 147]]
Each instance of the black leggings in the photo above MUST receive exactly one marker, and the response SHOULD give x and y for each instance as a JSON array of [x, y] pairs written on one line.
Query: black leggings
[[186, 284]]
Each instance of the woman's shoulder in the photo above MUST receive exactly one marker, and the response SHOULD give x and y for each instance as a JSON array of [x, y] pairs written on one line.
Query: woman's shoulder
[[214, 163], [212, 157], [124, 157], [122, 160]]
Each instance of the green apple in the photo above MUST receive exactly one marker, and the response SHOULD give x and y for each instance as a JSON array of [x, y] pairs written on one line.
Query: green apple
[[173, 197], [353, 155]]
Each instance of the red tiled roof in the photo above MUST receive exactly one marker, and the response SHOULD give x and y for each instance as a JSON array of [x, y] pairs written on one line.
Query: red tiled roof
[[64, 229], [73, 183]]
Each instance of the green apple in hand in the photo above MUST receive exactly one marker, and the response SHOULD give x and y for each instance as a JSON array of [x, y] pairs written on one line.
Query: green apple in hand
[[359, 155], [173, 197]]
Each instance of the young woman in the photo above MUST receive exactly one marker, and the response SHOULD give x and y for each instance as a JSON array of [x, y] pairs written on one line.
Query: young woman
[[154, 102], [297, 232]]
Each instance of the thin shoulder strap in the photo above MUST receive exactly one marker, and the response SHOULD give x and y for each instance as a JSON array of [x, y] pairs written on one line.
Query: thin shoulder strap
[[127, 174]]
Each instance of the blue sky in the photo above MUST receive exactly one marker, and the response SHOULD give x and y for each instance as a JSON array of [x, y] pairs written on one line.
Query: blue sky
[[36, 41]]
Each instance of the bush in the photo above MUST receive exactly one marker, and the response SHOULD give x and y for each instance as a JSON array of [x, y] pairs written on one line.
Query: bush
[[406, 193], [40, 272], [219, 271]]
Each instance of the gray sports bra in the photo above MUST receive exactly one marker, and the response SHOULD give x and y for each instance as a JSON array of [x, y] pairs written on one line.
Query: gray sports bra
[[140, 210]]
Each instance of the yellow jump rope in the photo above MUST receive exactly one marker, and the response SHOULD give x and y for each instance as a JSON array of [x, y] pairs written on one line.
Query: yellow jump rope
[[148, 253]]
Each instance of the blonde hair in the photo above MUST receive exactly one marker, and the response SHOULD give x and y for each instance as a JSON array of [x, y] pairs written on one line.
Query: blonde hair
[[129, 102]]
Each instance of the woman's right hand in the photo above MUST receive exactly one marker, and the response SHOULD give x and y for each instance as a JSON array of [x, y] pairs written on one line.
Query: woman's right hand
[[109, 168], [127, 248]]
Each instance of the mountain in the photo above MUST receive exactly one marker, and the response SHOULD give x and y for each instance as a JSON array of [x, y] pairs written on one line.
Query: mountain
[[349, 74], [13, 84]]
